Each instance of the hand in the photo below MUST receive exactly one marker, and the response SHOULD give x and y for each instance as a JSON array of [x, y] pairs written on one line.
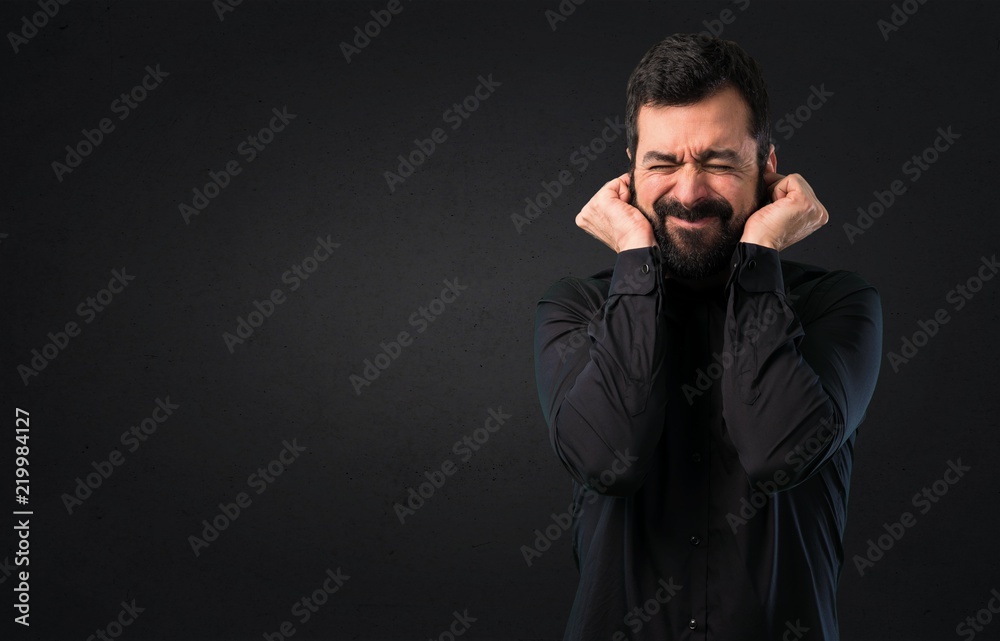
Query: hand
[[793, 214], [610, 218]]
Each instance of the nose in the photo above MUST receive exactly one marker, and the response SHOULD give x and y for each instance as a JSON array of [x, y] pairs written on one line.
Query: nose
[[690, 186]]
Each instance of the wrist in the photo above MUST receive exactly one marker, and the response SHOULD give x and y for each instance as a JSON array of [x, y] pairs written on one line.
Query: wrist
[[763, 241], [635, 242]]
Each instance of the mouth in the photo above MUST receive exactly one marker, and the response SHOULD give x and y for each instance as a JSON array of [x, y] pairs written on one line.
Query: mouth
[[693, 224]]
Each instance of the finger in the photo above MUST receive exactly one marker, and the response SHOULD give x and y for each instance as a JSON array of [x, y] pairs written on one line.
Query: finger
[[781, 188], [771, 177], [611, 186], [615, 189], [623, 190]]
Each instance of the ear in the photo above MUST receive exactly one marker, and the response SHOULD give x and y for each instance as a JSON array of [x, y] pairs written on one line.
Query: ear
[[628, 153], [772, 162]]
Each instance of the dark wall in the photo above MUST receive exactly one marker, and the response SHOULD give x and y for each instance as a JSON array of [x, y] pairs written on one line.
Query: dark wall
[[287, 387]]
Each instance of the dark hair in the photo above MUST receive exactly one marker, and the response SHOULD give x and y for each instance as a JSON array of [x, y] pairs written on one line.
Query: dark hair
[[685, 68]]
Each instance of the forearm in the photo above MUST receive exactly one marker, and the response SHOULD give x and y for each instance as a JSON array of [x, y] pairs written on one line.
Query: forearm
[[601, 380], [792, 396]]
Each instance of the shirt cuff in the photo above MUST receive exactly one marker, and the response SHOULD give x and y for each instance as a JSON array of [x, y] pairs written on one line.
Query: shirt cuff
[[636, 271], [756, 268]]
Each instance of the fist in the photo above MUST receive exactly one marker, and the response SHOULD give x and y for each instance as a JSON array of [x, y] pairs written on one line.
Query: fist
[[610, 218], [793, 214]]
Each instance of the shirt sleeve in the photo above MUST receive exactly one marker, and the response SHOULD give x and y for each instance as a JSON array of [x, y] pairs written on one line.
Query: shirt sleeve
[[798, 388], [599, 372]]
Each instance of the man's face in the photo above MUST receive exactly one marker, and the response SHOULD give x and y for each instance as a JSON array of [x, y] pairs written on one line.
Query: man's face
[[695, 178]]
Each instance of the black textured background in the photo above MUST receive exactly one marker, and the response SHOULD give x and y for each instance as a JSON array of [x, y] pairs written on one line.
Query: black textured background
[[323, 176]]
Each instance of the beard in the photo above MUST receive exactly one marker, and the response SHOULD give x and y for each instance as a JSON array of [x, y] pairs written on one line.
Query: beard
[[698, 253]]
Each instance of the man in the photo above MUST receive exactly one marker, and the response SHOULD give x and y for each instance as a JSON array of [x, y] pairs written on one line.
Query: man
[[705, 394]]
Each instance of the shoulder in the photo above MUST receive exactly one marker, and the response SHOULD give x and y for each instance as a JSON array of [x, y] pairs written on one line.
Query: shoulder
[[583, 294], [813, 290]]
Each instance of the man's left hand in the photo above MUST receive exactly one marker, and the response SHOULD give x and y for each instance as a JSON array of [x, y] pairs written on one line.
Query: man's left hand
[[793, 214]]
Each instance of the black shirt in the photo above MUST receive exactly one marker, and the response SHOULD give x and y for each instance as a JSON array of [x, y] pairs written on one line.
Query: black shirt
[[710, 436]]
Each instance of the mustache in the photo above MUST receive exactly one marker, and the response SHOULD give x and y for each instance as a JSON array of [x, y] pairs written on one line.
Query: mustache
[[706, 209]]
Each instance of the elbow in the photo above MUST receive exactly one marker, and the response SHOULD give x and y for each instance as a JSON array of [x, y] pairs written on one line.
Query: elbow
[[611, 469], [617, 474], [768, 476], [787, 464]]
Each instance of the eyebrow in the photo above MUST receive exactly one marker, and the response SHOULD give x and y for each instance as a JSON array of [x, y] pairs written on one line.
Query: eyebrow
[[729, 155]]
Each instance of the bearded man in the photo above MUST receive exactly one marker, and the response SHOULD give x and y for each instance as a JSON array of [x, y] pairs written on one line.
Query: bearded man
[[709, 419]]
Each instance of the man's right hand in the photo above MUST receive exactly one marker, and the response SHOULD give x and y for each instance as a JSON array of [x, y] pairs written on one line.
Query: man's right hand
[[610, 218]]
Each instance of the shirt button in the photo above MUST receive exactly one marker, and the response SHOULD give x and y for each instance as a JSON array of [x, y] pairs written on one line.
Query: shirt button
[[695, 540], [751, 264], [692, 624], [645, 269]]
